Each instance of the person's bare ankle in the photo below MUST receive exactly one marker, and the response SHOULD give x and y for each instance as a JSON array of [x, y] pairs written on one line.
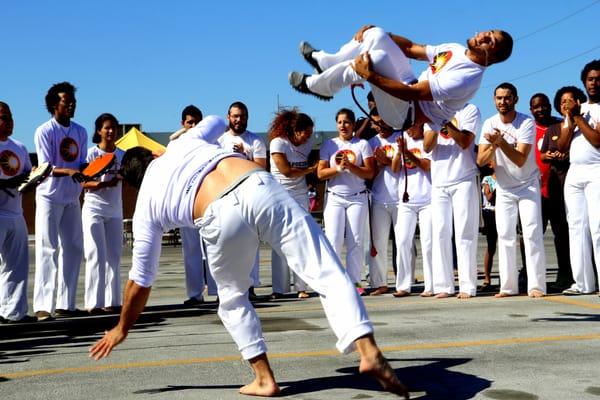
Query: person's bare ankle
[[264, 383], [374, 364]]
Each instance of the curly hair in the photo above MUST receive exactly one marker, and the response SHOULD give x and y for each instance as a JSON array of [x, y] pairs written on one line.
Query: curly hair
[[575, 91], [286, 122], [52, 98]]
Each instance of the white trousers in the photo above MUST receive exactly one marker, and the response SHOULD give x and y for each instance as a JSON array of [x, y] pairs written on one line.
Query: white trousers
[[260, 209], [14, 267], [383, 216], [524, 203], [58, 254], [280, 272], [193, 261], [388, 60], [345, 216], [102, 245], [582, 200], [408, 215], [458, 203]]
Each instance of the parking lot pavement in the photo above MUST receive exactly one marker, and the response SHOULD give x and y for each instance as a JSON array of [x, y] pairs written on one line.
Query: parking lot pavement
[[483, 348]]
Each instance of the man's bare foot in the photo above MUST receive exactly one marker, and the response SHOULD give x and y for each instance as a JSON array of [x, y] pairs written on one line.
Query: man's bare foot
[[536, 294], [264, 383], [373, 363], [400, 293], [379, 291], [463, 295], [503, 294], [264, 389], [426, 293], [303, 295], [442, 295], [380, 369]]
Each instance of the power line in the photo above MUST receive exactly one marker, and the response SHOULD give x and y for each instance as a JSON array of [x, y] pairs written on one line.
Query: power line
[[549, 66], [593, 3], [556, 64]]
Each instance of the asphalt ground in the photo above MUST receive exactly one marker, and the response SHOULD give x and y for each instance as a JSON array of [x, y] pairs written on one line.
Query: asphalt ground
[[484, 348]]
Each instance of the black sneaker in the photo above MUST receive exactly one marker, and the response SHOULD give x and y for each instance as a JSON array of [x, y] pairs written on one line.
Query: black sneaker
[[306, 50], [62, 313], [43, 316], [298, 82], [28, 319], [192, 301]]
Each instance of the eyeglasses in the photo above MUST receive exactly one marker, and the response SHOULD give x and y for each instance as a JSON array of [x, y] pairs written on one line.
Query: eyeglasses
[[5, 118]]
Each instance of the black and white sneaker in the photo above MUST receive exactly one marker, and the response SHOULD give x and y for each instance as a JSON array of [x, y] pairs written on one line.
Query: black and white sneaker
[[298, 82], [307, 50]]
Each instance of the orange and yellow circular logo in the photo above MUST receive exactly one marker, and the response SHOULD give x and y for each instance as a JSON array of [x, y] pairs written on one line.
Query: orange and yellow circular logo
[[388, 149], [409, 163], [349, 154], [69, 150], [10, 163], [439, 60]]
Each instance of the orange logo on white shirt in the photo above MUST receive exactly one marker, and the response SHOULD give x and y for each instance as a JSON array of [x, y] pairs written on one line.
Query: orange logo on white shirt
[[10, 163], [69, 151], [439, 60], [388, 149], [349, 154], [409, 163]]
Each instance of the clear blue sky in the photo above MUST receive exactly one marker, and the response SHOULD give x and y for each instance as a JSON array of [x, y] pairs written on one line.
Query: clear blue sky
[[145, 60]]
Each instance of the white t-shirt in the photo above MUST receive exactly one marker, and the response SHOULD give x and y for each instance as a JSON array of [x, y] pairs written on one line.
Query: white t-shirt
[[166, 197], [356, 150], [419, 181], [62, 148], [520, 130], [297, 157], [451, 164], [107, 201], [254, 146], [582, 152], [385, 184], [453, 78], [14, 160]]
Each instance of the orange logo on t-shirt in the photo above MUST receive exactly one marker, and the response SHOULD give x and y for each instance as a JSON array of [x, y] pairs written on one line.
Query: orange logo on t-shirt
[[444, 133], [10, 163], [349, 154], [69, 151], [439, 60], [409, 163], [388, 149]]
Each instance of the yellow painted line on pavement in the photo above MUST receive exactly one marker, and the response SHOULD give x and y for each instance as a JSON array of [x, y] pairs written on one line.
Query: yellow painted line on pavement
[[323, 353], [571, 301]]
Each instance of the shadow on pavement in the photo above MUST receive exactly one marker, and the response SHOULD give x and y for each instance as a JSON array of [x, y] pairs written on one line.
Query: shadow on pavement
[[434, 379]]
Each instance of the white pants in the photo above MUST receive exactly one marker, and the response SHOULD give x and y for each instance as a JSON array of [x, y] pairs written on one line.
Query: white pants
[[58, 254], [408, 215], [582, 200], [102, 244], [280, 272], [260, 209], [458, 203], [382, 217], [14, 267], [346, 215], [388, 61], [193, 261], [524, 203]]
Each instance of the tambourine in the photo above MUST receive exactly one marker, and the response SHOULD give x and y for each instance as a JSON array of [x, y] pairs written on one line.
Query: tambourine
[[99, 166], [36, 177]]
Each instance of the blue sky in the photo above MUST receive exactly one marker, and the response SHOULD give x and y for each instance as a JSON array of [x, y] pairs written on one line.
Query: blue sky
[[145, 61]]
